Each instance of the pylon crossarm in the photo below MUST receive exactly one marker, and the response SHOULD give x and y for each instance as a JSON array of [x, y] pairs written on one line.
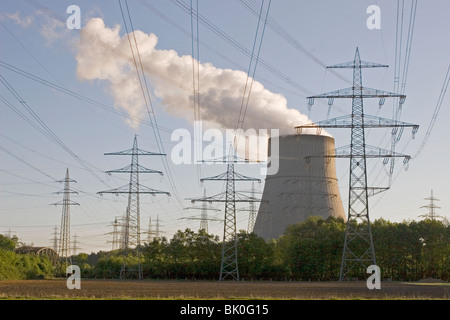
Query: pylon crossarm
[[197, 218], [239, 197], [373, 190], [224, 177], [138, 168], [201, 208], [367, 152], [65, 191], [142, 190], [229, 159], [359, 64], [64, 202], [368, 122], [133, 152], [352, 92]]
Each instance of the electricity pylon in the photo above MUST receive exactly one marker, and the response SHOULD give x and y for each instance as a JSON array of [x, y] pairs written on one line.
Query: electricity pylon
[[115, 242], [358, 244], [64, 238], [204, 214], [75, 245], [431, 208], [229, 265], [131, 227], [149, 231], [55, 239]]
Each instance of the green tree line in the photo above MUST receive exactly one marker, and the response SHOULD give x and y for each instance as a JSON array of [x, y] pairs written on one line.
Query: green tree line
[[15, 266], [311, 250]]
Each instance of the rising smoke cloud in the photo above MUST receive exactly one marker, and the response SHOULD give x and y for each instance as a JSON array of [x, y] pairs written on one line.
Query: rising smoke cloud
[[170, 75]]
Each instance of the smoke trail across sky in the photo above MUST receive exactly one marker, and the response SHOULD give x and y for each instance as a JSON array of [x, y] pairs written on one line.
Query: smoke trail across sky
[[170, 74]]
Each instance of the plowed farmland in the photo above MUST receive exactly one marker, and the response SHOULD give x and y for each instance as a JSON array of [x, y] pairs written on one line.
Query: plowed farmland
[[146, 289]]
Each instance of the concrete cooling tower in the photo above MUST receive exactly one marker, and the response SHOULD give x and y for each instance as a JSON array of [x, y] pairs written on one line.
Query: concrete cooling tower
[[301, 188]]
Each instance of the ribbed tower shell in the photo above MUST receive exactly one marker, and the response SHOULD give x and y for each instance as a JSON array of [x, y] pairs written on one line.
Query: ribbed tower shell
[[302, 187]]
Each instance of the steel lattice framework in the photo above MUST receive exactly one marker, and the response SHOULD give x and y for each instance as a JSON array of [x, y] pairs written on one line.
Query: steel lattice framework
[[64, 238], [358, 244], [204, 214], [131, 226], [229, 265], [431, 208], [252, 212]]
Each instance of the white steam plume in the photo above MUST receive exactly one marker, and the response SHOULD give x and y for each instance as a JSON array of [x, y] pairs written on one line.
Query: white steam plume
[[221, 90]]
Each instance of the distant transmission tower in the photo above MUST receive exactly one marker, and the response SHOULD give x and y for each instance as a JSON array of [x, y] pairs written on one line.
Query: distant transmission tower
[[55, 239], [64, 236], [358, 244], [151, 234], [229, 265], [431, 208], [9, 233], [149, 231], [131, 230], [252, 214], [204, 214], [115, 242], [75, 245], [158, 227]]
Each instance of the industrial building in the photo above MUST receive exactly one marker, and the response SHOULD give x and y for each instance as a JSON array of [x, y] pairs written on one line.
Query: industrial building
[[305, 185]]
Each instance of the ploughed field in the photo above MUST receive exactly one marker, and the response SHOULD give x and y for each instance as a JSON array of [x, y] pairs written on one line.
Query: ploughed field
[[147, 289]]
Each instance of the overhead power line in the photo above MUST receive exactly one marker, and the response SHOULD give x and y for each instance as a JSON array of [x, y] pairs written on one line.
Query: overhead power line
[[147, 98], [284, 34], [435, 113], [48, 132], [226, 37]]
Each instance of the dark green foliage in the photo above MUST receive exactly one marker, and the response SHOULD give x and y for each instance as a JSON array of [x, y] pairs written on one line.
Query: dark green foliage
[[7, 244], [311, 250], [23, 266]]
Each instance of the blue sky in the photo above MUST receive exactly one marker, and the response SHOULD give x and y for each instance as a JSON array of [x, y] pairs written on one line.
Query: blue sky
[[328, 32]]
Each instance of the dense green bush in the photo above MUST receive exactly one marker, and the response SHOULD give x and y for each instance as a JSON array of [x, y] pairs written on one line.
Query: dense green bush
[[14, 266]]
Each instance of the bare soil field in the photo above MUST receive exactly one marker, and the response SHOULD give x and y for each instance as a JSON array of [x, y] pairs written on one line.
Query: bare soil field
[[147, 289]]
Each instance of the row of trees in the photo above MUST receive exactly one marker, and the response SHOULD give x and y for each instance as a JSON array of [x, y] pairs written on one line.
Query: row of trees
[[15, 266], [311, 250]]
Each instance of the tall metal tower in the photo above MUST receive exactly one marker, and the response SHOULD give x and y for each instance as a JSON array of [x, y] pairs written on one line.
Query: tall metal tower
[[229, 264], [431, 208], [149, 231], [64, 237], [359, 252], [157, 231], [252, 213], [204, 214], [131, 230], [115, 242], [75, 245], [55, 239]]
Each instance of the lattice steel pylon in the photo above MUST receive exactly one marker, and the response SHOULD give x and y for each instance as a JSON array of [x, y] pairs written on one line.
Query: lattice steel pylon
[[358, 251], [229, 264], [432, 215], [55, 239], [252, 214], [64, 238], [115, 234], [75, 245], [131, 225], [203, 215]]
